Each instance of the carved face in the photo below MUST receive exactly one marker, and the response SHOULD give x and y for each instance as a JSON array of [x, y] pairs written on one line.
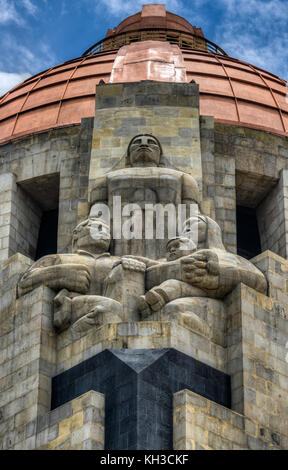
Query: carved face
[[144, 150], [178, 247], [90, 235], [196, 229]]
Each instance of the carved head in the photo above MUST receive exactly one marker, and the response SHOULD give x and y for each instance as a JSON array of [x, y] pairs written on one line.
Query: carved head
[[144, 150], [204, 231], [178, 247], [195, 228], [91, 235]]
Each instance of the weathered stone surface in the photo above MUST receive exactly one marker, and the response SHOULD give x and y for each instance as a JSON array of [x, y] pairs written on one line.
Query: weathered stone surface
[[81, 429], [237, 328], [208, 271], [142, 380]]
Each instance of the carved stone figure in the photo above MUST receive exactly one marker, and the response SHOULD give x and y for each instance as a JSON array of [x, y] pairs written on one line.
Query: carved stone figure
[[144, 181], [144, 150], [208, 271], [93, 287], [79, 278]]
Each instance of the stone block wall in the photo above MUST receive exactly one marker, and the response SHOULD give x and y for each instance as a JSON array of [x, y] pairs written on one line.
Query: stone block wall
[[251, 337], [19, 219], [77, 425], [7, 188], [272, 215], [257, 361], [10, 273], [248, 165], [28, 362], [138, 385], [168, 111], [73, 349], [200, 424], [65, 152], [207, 140]]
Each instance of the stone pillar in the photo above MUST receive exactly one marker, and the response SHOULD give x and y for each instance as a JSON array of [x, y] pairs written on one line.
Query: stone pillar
[[28, 363], [7, 190], [272, 215], [77, 425], [201, 424], [225, 200], [257, 355], [19, 219], [126, 286], [208, 164]]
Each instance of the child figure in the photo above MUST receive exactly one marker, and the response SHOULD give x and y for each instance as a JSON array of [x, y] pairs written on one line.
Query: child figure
[[197, 269]]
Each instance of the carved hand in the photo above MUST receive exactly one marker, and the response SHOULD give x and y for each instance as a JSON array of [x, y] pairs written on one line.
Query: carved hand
[[74, 277], [133, 264], [147, 261], [201, 269]]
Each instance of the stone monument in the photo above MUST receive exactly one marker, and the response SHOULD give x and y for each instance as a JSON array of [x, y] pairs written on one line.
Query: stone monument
[[150, 324]]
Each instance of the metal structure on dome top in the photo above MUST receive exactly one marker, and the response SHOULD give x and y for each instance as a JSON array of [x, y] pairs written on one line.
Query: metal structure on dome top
[[230, 89], [182, 39]]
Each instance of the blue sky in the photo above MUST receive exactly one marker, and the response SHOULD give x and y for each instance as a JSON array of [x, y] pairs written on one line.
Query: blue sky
[[37, 34]]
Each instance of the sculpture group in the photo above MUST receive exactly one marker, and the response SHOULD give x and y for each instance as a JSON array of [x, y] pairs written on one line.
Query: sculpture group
[[194, 271]]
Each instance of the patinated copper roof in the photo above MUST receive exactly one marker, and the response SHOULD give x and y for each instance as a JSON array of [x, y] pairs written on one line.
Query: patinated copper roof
[[232, 91]]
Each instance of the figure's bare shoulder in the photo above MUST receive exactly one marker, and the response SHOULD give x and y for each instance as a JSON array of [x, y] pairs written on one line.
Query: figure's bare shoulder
[[46, 261]]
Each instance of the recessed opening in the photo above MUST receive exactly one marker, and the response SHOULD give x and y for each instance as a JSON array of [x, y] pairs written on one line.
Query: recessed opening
[[44, 192], [248, 238], [47, 238]]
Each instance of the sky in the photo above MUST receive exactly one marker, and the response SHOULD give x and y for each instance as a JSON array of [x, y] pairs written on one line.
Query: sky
[[38, 34]]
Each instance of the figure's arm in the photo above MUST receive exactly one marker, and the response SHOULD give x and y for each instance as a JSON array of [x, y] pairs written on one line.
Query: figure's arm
[[147, 261], [131, 263], [74, 277], [244, 271], [204, 269], [190, 191], [99, 193], [201, 269]]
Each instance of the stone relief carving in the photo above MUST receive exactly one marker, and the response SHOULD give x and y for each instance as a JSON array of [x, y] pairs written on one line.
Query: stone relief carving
[[205, 270], [94, 287], [144, 181], [79, 278]]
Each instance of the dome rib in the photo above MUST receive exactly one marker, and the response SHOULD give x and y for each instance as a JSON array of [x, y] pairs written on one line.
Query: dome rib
[[273, 95], [66, 86], [231, 90], [26, 98]]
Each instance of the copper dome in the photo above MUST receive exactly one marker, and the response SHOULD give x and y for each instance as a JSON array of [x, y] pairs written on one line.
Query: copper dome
[[231, 90]]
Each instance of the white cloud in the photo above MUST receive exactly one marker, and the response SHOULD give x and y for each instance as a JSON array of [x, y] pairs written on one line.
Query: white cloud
[[271, 56], [8, 13], [267, 9], [256, 32], [30, 6], [10, 80], [19, 57]]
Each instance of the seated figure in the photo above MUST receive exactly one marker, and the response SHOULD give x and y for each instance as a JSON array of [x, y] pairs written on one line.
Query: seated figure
[[203, 270], [144, 181], [78, 278]]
